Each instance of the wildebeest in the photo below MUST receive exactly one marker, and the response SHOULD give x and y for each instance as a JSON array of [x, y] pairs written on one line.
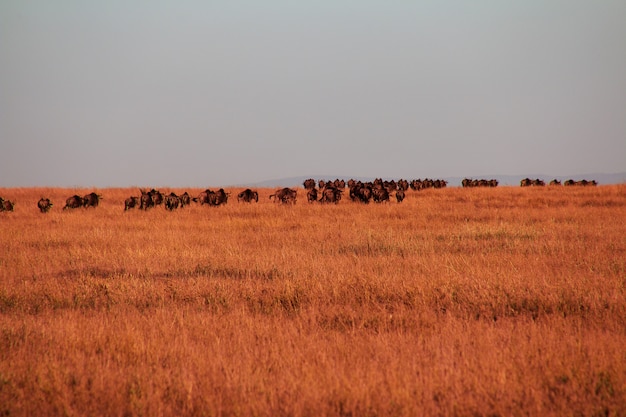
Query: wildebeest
[[403, 185], [221, 197], [311, 194], [284, 195], [185, 199], [73, 202], [6, 205], [150, 198], [399, 196], [555, 182], [91, 200], [309, 184], [131, 202], [330, 194], [172, 201], [44, 205], [361, 192], [212, 198], [145, 200], [380, 194], [247, 196], [157, 197], [205, 197]]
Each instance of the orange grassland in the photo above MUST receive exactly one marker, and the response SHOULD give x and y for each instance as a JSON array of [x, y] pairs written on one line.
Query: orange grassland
[[457, 302]]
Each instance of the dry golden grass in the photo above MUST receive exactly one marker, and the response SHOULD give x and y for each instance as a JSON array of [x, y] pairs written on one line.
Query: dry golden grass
[[465, 302]]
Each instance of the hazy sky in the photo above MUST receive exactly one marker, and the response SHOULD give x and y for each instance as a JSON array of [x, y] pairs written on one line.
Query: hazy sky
[[195, 93]]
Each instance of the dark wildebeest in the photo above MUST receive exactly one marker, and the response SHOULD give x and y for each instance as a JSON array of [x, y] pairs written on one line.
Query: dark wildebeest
[[185, 199], [73, 202], [157, 197], [172, 201], [361, 192], [416, 185], [309, 184], [340, 184], [131, 202], [205, 197], [390, 185], [330, 194], [247, 196], [145, 200], [212, 198], [150, 198], [44, 205], [91, 200], [440, 183], [555, 182], [311, 195], [6, 205], [399, 196], [380, 194], [221, 197], [284, 195]]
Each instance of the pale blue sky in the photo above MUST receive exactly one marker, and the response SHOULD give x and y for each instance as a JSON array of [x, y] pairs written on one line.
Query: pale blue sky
[[195, 93]]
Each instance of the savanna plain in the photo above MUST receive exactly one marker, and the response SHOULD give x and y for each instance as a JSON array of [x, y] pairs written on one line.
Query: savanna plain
[[502, 301]]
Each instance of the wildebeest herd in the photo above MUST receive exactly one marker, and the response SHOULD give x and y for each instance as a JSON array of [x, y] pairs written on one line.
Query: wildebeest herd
[[322, 191], [527, 182], [378, 191], [468, 182]]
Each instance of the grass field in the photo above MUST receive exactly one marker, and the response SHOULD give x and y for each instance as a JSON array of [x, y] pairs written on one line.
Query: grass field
[[457, 302]]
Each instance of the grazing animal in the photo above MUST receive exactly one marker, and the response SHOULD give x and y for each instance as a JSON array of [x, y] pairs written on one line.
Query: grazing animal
[[212, 198], [221, 197], [330, 194], [185, 199], [44, 205], [6, 205], [399, 196], [361, 192], [145, 200], [150, 198], [205, 197], [172, 201], [309, 184], [403, 185], [380, 194], [311, 195], [247, 196], [284, 195], [73, 202], [91, 200], [131, 202]]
